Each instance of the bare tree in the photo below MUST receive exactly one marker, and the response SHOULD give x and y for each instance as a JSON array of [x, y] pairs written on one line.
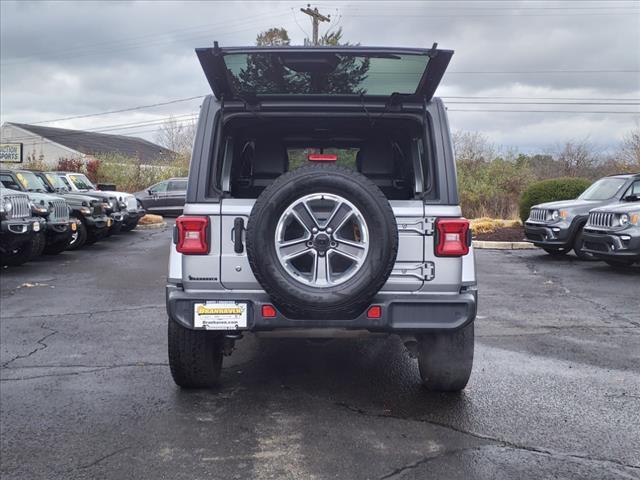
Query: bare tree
[[472, 148], [629, 151], [576, 159], [176, 136]]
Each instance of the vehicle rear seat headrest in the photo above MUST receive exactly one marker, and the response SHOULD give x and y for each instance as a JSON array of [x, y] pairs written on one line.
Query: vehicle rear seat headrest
[[270, 157], [376, 157]]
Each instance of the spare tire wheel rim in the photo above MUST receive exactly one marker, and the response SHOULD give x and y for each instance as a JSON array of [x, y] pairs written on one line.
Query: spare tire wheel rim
[[322, 240]]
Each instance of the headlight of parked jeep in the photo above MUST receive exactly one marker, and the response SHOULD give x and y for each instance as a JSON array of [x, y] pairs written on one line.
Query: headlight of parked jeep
[[555, 214], [5, 206], [123, 205], [624, 220], [85, 210]]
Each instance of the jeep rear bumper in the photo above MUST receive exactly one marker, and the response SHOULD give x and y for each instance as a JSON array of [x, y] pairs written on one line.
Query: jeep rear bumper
[[401, 313]]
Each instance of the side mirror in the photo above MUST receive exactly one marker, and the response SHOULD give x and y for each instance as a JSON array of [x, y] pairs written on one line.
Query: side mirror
[[150, 192], [631, 198]]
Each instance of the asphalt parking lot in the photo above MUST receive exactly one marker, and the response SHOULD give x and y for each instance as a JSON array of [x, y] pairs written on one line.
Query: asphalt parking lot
[[85, 389]]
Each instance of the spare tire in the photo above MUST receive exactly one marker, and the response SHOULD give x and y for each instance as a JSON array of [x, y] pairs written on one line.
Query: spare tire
[[322, 240]]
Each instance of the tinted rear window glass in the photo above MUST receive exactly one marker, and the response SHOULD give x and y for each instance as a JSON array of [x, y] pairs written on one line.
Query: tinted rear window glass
[[337, 74]]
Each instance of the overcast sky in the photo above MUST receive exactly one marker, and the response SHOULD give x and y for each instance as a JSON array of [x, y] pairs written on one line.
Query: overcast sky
[[65, 59]]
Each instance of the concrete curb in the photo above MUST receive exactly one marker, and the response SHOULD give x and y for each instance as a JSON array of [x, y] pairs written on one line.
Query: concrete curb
[[151, 226], [480, 244]]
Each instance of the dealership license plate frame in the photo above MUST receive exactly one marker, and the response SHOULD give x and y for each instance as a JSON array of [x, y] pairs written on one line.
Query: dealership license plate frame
[[215, 315]]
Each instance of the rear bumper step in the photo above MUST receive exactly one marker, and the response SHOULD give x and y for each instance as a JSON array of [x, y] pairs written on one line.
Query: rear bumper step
[[404, 313]]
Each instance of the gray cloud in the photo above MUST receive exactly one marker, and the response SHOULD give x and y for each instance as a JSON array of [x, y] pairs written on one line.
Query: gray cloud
[[68, 58]]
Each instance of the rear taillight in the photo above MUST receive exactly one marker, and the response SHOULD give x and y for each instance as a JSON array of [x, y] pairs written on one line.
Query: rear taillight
[[452, 238], [192, 235]]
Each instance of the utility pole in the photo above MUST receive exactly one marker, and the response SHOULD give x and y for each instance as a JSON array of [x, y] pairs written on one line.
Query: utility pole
[[316, 18]]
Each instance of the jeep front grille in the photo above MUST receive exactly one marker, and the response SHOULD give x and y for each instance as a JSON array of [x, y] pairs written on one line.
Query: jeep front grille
[[601, 219], [60, 211], [132, 204], [96, 208], [538, 215], [19, 206]]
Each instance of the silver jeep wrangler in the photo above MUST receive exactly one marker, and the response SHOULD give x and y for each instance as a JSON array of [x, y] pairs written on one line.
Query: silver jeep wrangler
[[322, 202]]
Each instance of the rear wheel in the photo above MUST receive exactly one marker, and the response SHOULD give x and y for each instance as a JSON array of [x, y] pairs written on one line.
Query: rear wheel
[[445, 359], [195, 356]]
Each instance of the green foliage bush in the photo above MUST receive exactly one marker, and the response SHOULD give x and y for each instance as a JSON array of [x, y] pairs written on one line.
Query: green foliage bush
[[130, 176], [491, 189], [564, 188]]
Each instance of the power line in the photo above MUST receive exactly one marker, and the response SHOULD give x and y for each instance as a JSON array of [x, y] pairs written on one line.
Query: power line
[[553, 101], [121, 126], [505, 6], [543, 98], [545, 111], [295, 19], [109, 112], [128, 46], [481, 102], [527, 72], [494, 15]]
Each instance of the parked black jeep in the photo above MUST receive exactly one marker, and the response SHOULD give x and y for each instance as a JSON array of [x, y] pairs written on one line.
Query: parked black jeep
[[56, 235], [18, 228], [88, 211], [557, 227]]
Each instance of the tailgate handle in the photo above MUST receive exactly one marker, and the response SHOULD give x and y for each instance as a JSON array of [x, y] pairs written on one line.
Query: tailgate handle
[[238, 229]]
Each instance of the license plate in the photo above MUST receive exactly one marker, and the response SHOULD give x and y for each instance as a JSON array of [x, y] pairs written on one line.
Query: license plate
[[220, 316]]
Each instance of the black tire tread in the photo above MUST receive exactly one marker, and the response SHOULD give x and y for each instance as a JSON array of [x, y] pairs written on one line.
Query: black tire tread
[[55, 248], [128, 228], [82, 236], [195, 356], [445, 359], [27, 251]]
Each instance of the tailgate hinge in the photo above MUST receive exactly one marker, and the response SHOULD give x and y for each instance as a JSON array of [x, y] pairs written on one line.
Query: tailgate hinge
[[423, 227], [425, 271]]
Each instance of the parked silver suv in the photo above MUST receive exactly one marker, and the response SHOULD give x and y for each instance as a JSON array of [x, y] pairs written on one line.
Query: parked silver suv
[[557, 227], [612, 233], [322, 202]]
